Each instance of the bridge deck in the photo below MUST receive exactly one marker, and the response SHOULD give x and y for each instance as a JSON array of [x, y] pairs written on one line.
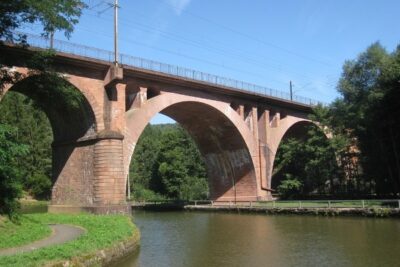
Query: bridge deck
[[140, 64]]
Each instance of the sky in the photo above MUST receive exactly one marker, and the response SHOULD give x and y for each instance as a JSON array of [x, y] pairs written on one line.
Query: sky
[[265, 42]]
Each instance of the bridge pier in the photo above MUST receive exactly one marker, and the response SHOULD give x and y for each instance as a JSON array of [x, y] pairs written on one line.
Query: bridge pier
[[103, 159], [90, 176]]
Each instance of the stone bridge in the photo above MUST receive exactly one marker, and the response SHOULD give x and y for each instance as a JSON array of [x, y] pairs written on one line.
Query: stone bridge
[[237, 132]]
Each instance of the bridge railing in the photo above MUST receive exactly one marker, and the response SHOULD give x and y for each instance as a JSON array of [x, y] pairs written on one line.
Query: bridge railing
[[141, 63]]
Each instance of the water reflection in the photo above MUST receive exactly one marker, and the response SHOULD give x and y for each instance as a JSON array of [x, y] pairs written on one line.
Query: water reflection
[[215, 239]]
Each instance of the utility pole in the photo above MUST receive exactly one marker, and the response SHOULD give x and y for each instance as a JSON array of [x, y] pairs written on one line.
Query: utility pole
[[116, 32], [291, 91], [51, 39]]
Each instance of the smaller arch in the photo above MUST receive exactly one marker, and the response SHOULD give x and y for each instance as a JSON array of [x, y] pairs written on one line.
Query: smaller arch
[[289, 127]]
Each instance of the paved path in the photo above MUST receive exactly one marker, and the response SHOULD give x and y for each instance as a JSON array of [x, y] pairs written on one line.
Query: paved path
[[61, 233]]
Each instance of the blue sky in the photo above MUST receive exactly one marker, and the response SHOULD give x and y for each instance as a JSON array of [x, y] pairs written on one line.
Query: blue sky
[[259, 41]]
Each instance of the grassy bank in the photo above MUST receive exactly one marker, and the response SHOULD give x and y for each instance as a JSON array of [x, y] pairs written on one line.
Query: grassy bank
[[25, 231], [103, 231]]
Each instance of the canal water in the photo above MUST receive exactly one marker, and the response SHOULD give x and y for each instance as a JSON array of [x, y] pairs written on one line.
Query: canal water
[[226, 239]]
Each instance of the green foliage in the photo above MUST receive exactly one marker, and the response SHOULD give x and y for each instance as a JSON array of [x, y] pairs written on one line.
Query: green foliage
[[18, 168], [308, 158], [363, 124], [34, 131], [140, 193], [39, 185], [52, 14], [10, 186], [289, 187], [370, 112], [98, 237], [167, 162]]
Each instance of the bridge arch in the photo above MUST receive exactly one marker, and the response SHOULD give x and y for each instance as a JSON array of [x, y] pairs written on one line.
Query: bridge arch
[[70, 113], [74, 124], [289, 126], [221, 135]]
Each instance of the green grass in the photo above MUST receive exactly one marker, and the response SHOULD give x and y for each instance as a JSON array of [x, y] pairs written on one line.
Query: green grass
[[33, 206], [102, 231], [25, 231]]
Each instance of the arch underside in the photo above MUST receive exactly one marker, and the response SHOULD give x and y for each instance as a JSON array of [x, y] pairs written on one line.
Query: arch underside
[[70, 114], [72, 119], [227, 159], [229, 164], [292, 127]]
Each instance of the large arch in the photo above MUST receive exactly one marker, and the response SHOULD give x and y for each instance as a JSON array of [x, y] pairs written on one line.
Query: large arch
[[221, 135], [73, 123]]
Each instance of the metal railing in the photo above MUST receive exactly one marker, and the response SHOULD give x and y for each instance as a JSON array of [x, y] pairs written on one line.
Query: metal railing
[[309, 204], [145, 64]]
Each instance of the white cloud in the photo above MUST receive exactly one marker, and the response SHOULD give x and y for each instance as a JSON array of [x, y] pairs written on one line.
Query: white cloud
[[179, 5]]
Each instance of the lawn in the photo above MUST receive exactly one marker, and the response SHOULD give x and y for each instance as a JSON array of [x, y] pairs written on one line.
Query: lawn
[[102, 232], [25, 231]]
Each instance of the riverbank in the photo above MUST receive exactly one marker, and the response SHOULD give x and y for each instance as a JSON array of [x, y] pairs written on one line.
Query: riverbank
[[364, 212], [107, 239]]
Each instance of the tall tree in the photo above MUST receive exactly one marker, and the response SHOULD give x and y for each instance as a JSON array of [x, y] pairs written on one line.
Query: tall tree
[[10, 186], [53, 15], [369, 110]]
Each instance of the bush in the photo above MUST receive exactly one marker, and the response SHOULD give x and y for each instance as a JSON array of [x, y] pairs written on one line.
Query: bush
[[290, 187], [40, 186], [139, 193]]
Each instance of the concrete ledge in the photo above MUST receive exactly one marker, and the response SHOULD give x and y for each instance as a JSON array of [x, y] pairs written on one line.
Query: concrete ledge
[[366, 212], [109, 134], [99, 209], [104, 257]]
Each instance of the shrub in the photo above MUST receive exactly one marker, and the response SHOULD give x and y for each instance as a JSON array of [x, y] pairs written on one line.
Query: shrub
[[289, 187]]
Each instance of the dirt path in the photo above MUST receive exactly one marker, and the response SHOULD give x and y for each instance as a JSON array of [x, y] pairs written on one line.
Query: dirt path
[[62, 233]]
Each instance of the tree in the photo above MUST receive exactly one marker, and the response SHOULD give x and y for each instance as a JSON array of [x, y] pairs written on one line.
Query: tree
[[53, 15], [10, 187], [363, 124], [179, 167], [167, 164], [369, 110], [34, 131], [305, 162]]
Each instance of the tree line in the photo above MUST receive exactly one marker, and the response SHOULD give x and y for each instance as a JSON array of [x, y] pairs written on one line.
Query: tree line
[[362, 157]]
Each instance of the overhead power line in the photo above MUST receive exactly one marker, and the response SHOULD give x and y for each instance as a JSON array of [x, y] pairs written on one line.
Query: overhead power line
[[248, 36], [214, 49]]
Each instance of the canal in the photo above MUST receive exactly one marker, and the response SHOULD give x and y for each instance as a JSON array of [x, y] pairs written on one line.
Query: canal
[[226, 239]]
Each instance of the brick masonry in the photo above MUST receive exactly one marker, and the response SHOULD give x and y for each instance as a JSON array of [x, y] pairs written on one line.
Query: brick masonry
[[238, 133]]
